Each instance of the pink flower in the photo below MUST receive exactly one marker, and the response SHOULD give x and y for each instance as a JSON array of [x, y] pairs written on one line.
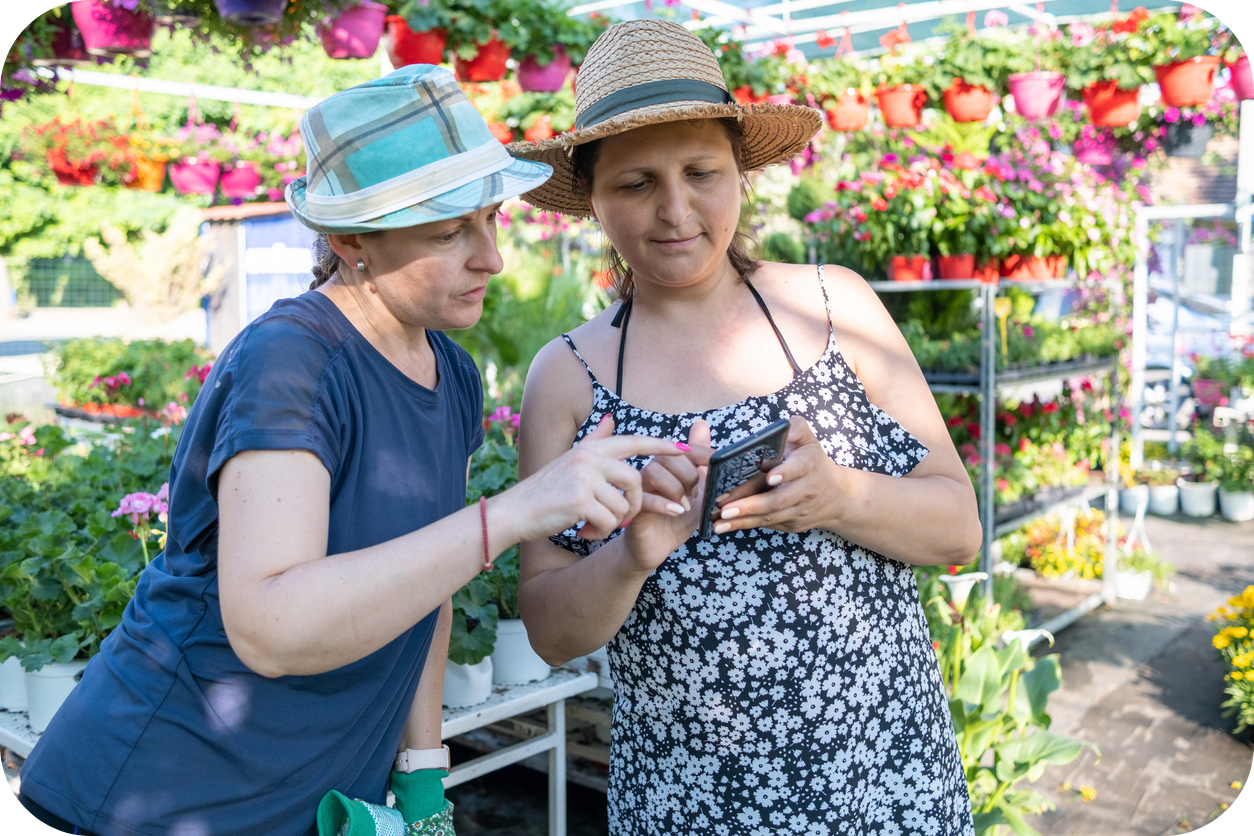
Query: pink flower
[[138, 506], [173, 413], [1082, 34], [995, 18]]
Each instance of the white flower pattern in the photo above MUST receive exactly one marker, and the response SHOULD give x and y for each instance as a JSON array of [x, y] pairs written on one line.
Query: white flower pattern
[[769, 682]]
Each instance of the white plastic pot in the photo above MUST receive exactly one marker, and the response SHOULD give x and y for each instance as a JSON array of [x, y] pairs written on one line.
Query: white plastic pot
[[513, 660], [1238, 507], [1197, 499], [1130, 499], [1134, 586], [12, 685], [47, 688], [467, 684], [1164, 500]]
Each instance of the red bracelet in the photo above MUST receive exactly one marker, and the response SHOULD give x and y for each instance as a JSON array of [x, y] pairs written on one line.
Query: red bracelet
[[483, 522]]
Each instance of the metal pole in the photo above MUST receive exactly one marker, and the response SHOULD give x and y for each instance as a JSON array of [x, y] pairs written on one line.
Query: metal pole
[[1140, 300], [557, 768], [1177, 370], [988, 426]]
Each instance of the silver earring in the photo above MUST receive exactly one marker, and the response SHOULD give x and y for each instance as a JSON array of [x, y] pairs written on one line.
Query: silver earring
[[361, 266]]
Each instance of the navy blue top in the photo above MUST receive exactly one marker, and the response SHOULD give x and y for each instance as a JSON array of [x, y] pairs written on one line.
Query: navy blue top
[[169, 732]]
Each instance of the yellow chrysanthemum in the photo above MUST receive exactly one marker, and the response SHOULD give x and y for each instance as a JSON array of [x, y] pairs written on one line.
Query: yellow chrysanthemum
[[1236, 676], [1088, 793]]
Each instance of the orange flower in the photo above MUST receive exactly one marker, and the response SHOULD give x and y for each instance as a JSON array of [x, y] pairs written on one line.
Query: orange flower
[[879, 204]]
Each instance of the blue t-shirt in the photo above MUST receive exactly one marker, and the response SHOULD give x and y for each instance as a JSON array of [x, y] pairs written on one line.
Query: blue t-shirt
[[169, 732]]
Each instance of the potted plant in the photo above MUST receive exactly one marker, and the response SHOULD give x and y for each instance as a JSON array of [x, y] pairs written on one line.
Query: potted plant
[[1198, 488], [1242, 77], [197, 166], [480, 33], [115, 27], [964, 230], [971, 68], [1164, 495], [1137, 570], [539, 116], [900, 91], [354, 32], [72, 147], [1179, 48], [841, 87], [1236, 483], [1033, 73], [547, 42], [1106, 66], [420, 38]]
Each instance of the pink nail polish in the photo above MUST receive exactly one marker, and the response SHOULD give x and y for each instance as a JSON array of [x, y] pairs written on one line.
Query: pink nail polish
[[626, 523], [682, 446]]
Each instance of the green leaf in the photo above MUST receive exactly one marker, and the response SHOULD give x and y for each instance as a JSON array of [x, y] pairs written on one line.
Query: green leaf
[[1042, 747], [1043, 680], [980, 684]]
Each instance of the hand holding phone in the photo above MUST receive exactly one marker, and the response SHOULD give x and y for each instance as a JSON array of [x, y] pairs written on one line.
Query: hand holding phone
[[740, 469]]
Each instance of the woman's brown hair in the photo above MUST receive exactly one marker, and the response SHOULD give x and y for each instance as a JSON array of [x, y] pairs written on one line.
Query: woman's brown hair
[[584, 160]]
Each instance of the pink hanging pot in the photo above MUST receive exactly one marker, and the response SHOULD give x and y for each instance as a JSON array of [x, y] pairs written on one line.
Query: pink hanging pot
[[355, 33], [68, 49], [195, 176], [240, 181], [544, 78], [1242, 78], [110, 29], [1037, 94]]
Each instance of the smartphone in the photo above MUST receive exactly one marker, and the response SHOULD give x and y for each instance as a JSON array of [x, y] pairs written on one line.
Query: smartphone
[[742, 467]]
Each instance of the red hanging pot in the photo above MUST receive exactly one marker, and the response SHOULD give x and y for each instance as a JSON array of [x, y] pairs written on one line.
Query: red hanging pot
[[968, 102], [957, 266], [1036, 95], [355, 33], [240, 181], [251, 12], [909, 268], [70, 173], [901, 106], [1110, 106], [1188, 83], [195, 177], [535, 77], [851, 111], [112, 30], [1242, 78], [487, 65], [405, 46]]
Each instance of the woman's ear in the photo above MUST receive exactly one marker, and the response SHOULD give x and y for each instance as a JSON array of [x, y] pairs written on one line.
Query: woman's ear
[[348, 246]]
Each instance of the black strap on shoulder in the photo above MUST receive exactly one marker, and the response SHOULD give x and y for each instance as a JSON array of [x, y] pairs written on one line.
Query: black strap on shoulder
[[796, 370], [620, 322]]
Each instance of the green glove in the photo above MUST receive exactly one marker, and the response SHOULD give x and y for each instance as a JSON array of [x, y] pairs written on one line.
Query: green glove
[[419, 794]]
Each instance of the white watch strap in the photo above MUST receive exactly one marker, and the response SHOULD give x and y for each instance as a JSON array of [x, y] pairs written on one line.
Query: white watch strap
[[411, 760]]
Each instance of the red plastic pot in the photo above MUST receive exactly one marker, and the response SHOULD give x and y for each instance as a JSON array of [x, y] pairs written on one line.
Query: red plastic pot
[[70, 173], [355, 33], [1109, 106], [968, 102], [1188, 83], [240, 181], [987, 272], [1038, 94], [901, 106], [909, 268], [251, 12], [1242, 78], [1025, 268], [957, 266], [1057, 265], [199, 177], [850, 112], [487, 65], [405, 46], [112, 30], [535, 77]]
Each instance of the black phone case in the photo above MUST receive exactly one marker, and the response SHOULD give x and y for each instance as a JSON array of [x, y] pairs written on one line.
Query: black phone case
[[735, 464]]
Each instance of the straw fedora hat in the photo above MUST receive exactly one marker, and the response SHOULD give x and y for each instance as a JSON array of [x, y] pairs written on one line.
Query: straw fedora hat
[[643, 72]]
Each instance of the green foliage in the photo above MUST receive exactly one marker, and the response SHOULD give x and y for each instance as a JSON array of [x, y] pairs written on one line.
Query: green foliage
[[474, 623], [521, 111], [1165, 38], [539, 24], [978, 58], [1236, 468], [1204, 452], [157, 370], [831, 78], [807, 195], [783, 247]]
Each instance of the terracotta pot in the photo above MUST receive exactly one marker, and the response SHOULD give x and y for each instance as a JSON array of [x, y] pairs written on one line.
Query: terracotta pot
[[909, 268], [68, 48], [355, 33], [901, 106], [148, 175], [1243, 78], [1109, 106], [405, 46], [850, 112], [487, 65], [251, 12], [71, 173], [195, 177], [1025, 268], [1038, 94], [544, 78], [968, 102], [240, 181], [113, 30], [957, 266], [1188, 83]]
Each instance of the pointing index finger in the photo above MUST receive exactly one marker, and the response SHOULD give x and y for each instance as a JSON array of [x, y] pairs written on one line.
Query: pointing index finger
[[627, 446]]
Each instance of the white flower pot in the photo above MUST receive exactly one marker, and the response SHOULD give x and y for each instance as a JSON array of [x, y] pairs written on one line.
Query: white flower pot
[[1130, 499], [467, 684], [47, 688], [12, 685], [1197, 499], [513, 660], [1134, 586], [1164, 500], [1237, 507]]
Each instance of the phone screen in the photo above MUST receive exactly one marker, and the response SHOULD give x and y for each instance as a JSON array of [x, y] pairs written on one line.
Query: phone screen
[[739, 469]]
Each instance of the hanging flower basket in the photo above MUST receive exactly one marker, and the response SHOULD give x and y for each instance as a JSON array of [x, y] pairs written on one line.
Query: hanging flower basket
[[487, 65], [113, 30], [1185, 138], [1037, 94], [68, 48], [251, 12], [195, 176], [1188, 83], [548, 78], [901, 106], [241, 180], [71, 173], [148, 175], [1111, 106], [968, 102], [909, 268], [405, 46], [850, 112], [1242, 78], [355, 33]]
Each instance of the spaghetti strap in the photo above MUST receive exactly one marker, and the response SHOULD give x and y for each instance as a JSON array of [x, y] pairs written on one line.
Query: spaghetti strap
[[588, 369], [827, 301], [796, 370]]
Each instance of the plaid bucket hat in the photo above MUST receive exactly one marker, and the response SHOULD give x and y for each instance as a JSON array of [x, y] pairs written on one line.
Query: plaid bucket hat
[[402, 150], [642, 72]]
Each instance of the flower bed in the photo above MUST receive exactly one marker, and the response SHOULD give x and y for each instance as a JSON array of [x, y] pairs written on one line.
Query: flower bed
[[1234, 644]]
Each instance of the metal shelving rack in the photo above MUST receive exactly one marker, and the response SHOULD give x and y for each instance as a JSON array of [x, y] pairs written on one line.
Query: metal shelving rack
[[988, 383]]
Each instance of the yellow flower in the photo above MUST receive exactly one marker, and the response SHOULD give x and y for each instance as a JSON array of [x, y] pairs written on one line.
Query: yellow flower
[[1236, 676], [1220, 641], [1240, 631], [1088, 793]]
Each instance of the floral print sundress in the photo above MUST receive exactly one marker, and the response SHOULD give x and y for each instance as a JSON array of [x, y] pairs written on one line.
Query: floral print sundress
[[768, 682]]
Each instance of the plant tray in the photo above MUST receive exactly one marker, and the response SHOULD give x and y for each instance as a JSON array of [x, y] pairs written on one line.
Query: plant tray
[[1037, 502]]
